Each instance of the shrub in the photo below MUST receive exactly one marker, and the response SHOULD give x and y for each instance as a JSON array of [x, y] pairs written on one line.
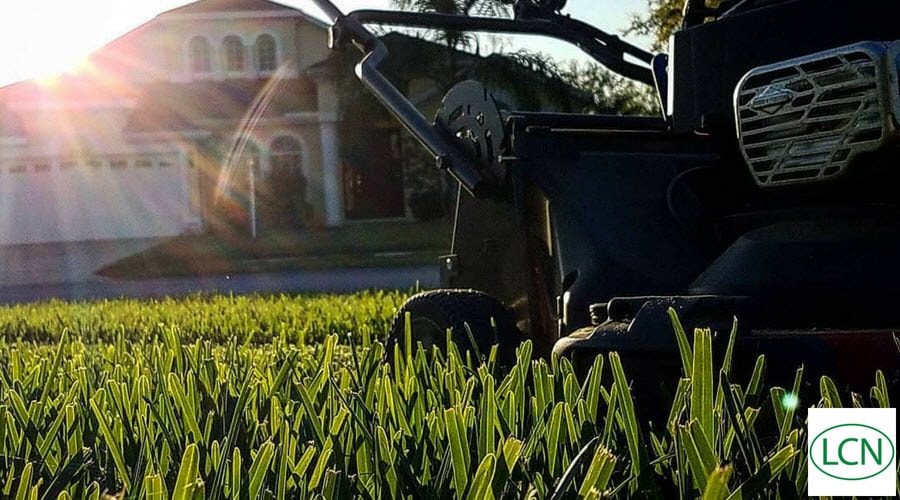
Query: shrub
[[426, 204]]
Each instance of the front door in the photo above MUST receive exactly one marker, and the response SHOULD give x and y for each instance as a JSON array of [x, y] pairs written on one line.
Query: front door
[[373, 176]]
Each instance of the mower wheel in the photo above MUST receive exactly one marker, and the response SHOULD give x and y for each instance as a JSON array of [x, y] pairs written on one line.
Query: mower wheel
[[432, 313]]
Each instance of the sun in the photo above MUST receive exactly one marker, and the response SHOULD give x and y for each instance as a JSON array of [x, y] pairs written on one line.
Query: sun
[[52, 62], [41, 38]]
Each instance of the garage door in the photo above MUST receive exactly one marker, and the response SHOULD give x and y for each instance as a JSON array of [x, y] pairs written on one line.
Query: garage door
[[44, 201]]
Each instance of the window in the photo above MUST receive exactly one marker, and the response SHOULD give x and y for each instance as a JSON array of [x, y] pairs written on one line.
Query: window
[[234, 53], [286, 154], [200, 56], [118, 164], [266, 58], [143, 163], [284, 203]]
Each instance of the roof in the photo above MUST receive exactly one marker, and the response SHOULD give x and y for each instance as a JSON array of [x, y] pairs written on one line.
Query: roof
[[87, 86], [209, 6], [116, 58], [245, 8], [168, 106]]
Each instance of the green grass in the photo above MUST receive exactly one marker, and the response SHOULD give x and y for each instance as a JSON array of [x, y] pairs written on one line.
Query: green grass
[[255, 318], [149, 412], [374, 244]]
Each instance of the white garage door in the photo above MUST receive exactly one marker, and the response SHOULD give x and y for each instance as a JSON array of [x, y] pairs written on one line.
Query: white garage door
[[99, 198]]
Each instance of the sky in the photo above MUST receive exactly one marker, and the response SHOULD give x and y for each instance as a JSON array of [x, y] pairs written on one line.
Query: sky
[[40, 38]]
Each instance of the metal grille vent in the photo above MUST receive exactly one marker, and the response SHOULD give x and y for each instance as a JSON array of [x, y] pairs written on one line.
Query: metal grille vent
[[806, 119]]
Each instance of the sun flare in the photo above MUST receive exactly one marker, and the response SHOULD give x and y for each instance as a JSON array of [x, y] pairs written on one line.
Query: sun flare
[[40, 39]]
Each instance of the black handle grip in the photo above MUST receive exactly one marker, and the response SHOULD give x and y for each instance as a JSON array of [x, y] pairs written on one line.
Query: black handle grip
[[331, 11]]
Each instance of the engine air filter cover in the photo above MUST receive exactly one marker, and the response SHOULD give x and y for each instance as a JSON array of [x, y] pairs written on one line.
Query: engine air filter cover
[[806, 119]]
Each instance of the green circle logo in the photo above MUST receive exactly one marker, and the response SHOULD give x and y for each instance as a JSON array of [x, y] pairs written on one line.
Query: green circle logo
[[852, 452]]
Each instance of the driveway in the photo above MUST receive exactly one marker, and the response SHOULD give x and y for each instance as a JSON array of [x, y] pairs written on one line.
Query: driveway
[[57, 263], [30, 273]]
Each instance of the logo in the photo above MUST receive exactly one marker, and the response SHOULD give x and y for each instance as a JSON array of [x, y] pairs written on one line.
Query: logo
[[771, 99], [852, 451]]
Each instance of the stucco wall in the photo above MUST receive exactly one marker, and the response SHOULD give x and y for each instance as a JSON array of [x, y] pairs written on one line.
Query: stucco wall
[[299, 44]]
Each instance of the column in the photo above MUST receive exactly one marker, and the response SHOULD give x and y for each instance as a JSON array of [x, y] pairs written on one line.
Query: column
[[332, 180]]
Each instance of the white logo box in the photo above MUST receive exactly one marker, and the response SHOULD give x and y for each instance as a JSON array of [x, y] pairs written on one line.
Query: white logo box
[[852, 451]]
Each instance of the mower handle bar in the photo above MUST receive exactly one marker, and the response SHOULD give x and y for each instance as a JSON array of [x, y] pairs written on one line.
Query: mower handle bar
[[607, 49], [439, 143]]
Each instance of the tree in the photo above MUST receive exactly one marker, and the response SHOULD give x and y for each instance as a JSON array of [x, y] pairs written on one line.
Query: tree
[[532, 81], [662, 19], [611, 93], [548, 84], [455, 39], [491, 8]]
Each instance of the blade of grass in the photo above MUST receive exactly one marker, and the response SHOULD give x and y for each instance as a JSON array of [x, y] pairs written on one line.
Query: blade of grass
[[717, 484], [457, 450], [24, 482], [481, 484], [236, 473], [569, 476], [260, 468], [829, 392], [684, 348], [884, 399], [768, 472], [701, 457], [636, 447], [791, 407], [702, 382], [188, 474]]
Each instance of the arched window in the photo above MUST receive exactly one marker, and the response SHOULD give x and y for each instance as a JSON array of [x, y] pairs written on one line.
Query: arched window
[[200, 55], [266, 57], [234, 53]]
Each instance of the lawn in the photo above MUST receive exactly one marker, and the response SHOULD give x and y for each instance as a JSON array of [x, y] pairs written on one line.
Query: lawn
[[239, 400], [370, 244]]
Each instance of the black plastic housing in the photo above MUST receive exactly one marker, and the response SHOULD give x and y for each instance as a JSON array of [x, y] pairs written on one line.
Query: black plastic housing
[[709, 59]]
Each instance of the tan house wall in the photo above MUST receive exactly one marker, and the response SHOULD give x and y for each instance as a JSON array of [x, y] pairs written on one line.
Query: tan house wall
[[300, 44], [328, 97], [311, 44]]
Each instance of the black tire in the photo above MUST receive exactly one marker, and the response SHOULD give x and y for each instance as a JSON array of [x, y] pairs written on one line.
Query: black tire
[[433, 312]]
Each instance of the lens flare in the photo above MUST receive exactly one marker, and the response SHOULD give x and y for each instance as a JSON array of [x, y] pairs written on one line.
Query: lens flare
[[244, 139], [790, 401]]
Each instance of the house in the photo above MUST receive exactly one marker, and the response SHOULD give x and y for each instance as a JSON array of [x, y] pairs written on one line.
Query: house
[[219, 115], [166, 129]]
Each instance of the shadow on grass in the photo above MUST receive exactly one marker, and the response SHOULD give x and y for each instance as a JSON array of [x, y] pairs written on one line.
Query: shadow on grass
[[374, 244]]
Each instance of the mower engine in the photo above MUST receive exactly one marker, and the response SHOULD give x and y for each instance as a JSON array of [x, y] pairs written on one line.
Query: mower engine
[[808, 119]]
